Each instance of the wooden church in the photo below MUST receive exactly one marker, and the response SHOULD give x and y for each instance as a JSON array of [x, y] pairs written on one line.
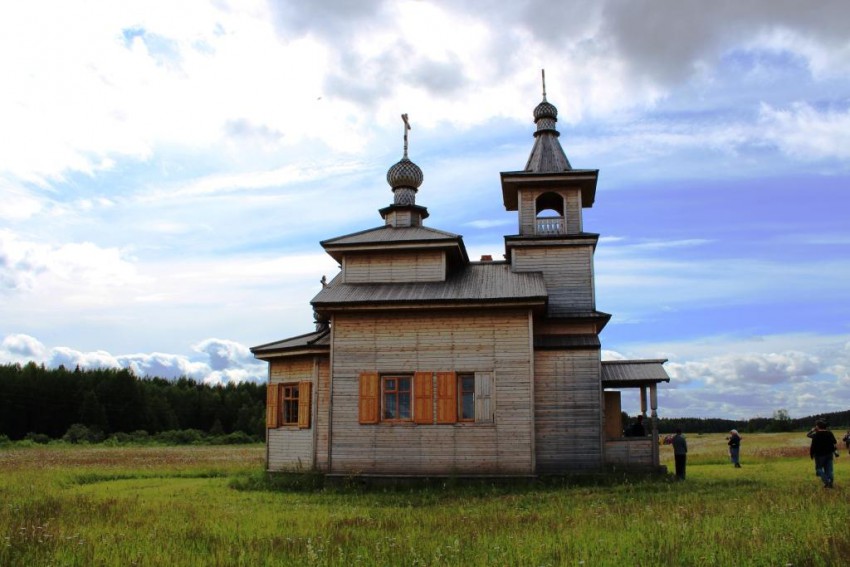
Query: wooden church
[[425, 363]]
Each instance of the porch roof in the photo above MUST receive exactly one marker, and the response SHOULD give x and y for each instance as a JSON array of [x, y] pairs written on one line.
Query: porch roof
[[633, 373], [316, 341]]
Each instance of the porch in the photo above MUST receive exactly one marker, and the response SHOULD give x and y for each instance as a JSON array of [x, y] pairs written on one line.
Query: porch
[[639, 377]]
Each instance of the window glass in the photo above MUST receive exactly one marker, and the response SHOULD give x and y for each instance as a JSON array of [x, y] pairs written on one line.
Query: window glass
[[466, 397], [290, 405], [397, 398]]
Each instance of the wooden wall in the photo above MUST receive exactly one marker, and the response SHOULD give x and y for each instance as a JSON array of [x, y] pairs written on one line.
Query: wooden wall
[[567, 271], [630, 452], [321, 414], [568, 412], [423, 266], [497, 341], [288, 447]]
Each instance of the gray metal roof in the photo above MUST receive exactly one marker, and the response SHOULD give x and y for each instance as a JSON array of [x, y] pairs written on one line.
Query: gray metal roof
[[317, 339], [547, 155], [631, 373], [476, 282], [388, 234], [566, 342]]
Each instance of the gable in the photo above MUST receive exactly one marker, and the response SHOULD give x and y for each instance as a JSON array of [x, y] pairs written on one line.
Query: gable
[[412, 266]]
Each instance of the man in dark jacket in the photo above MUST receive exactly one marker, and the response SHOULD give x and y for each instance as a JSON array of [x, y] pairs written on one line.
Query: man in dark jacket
[[680, 454], [822, 450]]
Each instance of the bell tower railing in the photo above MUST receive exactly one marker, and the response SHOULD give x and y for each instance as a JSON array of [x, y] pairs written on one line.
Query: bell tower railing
[[550, 225]]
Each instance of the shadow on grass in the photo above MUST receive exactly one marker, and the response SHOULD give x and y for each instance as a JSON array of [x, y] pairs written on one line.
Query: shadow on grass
[[445, 487], [94, 478]]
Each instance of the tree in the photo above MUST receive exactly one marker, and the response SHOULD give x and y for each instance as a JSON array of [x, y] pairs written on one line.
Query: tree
[[92, 413], [781, 421]]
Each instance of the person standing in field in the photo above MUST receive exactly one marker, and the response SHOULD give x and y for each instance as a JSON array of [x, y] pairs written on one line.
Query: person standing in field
[[680, 454], [846, 440], [823, 449], [735, 448]]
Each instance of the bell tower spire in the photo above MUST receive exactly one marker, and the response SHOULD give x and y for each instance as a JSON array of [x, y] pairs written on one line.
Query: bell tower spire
[[547, 155]]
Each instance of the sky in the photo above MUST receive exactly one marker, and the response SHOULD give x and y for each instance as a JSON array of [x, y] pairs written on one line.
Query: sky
[[167, 171]]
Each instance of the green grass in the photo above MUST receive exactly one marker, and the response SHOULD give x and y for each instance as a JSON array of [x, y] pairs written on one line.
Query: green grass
[[175, 506]]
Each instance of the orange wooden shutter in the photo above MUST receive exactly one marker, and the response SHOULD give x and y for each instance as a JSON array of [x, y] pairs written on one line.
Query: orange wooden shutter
[[446, 397], [272, 406], [369, 390], [423, 398], [305, 402]]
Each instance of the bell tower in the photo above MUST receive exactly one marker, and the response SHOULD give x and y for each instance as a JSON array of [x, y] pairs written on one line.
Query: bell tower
[[549, 196]]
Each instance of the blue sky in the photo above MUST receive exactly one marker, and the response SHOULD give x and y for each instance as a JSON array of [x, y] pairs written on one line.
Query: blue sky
[[167, 171]]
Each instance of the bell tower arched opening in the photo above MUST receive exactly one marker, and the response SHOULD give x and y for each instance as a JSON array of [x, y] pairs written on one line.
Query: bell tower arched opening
[[549, 211]]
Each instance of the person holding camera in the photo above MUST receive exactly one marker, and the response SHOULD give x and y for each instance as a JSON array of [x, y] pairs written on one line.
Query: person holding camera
[[734, 442], [823, 450]]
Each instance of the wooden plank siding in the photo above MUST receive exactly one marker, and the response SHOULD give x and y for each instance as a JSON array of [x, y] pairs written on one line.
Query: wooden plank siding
[[322, 413], [632, 453], [568, 414], [528, 210], [422, 266], [289, 446], [567, 271], [494, 341]]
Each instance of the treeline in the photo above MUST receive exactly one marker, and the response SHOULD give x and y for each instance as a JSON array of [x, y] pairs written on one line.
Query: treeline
[[39, 401], [778, 423]]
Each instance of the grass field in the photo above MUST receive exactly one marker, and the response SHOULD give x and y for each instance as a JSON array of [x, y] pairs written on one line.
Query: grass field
[[175, 506]]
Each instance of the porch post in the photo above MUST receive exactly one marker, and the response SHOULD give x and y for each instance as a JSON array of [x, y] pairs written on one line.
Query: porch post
[[653, 404], [643, 401]]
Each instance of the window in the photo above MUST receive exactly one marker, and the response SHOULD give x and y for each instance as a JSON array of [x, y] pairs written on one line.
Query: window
[[466, 397], [457, 397], [288, 405], [289, 401], [396, 398]]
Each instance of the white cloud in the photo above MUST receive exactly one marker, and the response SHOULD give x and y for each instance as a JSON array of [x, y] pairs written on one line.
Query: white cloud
[[223, 353], [20, 348], [744, 370], [804, 132], [220, 362], [70, 358], [80, 270], [18, 205]]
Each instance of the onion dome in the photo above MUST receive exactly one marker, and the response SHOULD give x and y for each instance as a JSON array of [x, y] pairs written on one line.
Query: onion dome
[[406, 174], [545, 110], [545, 115]]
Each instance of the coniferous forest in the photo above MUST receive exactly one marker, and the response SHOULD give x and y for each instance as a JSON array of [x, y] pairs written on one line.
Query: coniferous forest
[[41, 404], [51, 403]]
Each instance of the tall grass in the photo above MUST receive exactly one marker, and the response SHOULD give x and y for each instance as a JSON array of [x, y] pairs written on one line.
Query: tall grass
[[214, 506]]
